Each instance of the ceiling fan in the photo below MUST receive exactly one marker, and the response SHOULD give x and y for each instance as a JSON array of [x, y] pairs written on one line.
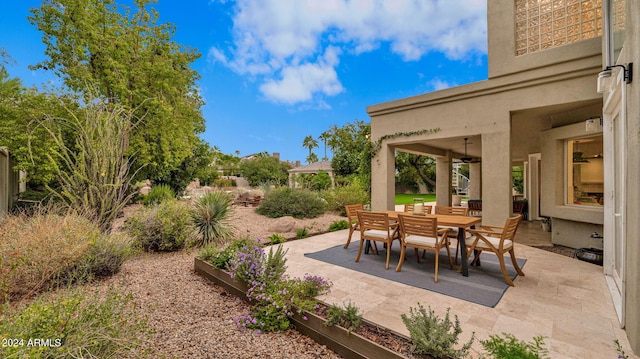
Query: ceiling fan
[[467, 159]]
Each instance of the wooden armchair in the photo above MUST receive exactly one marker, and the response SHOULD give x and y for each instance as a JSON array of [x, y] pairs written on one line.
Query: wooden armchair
[[352, 217], [426, 209], [421, 232], [499, 240], [376, 227]]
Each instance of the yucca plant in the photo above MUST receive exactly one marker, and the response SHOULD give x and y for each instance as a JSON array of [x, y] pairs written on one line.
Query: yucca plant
[[210, 215]]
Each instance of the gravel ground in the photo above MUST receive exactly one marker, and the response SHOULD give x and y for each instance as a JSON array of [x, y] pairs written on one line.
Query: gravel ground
[[193, 318]]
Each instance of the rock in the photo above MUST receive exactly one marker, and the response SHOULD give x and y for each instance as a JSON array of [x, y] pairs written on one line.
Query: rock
[[283, 225]]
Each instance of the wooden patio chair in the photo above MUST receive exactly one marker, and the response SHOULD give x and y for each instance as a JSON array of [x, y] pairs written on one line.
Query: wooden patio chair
[[352, 217], [421, 232], [376, 227], [475, 207], [453, 232], [499, 240], [426, 209]]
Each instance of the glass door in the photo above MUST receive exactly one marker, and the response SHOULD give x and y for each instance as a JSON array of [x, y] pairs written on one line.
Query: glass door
[[614, 187]]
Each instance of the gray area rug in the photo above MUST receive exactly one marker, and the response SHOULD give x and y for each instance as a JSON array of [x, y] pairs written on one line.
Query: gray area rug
[[484, 285]]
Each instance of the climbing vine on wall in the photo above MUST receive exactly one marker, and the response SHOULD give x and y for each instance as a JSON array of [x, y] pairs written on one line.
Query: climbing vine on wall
[[377, 145]]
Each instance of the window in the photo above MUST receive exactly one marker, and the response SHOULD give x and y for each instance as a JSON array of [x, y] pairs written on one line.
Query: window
[[584, 172], [543, 24]]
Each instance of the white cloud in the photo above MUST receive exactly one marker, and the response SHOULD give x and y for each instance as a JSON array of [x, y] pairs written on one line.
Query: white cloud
[[437, 84], [285, 43]]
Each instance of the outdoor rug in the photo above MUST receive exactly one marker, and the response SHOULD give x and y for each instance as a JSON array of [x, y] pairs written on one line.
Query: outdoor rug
[[484, 285]]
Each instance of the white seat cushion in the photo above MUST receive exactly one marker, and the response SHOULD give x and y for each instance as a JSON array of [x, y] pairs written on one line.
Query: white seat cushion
[[420, 240], [453, 231], [376, 233], [493, 240]]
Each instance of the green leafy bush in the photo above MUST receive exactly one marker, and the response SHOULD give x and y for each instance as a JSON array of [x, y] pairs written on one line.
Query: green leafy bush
[[434, 336], [302, 233], [338, 197], [298, 203], [46, 250], [348, 317], [210, 214], [510, 347], [74, 325], [158, 194], [250, 263], [276, 238], [224, 182], [338, 225], [163, 227]]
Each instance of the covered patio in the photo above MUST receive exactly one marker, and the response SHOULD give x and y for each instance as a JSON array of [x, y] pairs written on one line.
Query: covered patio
[[561, 298]]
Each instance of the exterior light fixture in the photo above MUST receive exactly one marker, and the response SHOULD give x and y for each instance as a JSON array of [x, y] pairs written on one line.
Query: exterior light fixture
[[606, 81], [593, 124]]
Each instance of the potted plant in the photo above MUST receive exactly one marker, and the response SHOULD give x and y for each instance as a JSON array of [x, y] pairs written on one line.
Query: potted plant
[[456, 199]]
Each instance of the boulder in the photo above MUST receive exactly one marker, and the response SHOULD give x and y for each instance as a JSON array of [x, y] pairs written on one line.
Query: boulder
[[283, 225]]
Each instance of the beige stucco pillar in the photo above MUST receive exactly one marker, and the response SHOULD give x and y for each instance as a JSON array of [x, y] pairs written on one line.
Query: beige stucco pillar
[[383, 186], [475, 178], [496, 182], [443, 180]]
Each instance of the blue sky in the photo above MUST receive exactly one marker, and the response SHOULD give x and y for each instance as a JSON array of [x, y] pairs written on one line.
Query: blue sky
[[275, 71]]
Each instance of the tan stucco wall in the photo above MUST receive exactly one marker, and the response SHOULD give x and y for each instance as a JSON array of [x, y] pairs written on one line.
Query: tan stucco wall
[[501, 30], [632, 263]]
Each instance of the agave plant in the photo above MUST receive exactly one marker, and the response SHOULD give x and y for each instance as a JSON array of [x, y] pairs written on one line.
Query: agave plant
[[210, 215]]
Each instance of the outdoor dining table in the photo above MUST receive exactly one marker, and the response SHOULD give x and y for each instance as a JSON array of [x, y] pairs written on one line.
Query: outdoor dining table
[[461, 222]]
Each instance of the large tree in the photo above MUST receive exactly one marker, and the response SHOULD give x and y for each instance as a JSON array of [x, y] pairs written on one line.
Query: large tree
[[130, 59], [21, 110], [350, 146], [265, 169], [310, 143], [411, 169]]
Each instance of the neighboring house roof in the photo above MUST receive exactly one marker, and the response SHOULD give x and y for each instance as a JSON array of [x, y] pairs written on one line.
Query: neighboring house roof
[[313, 168]]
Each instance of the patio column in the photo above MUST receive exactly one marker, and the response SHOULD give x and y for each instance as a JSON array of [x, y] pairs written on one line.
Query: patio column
[[443, 180], [496, 183], [383, 185], [475, 178]]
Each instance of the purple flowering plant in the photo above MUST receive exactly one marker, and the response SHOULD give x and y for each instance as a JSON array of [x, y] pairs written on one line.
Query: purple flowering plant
[[275, 295]]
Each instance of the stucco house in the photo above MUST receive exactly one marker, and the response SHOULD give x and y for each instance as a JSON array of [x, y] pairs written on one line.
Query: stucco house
[[560, 100]]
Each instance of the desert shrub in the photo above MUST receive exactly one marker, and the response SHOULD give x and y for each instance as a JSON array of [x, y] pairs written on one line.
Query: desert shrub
[[510, 347], [103, 258], [302, 233], [348, 317], [158, 194], [276, 238], [224, 182], [339, 197], [76, 326], [298, 203], [210, 215], [47, 249], [434, 336], [220, 258], [163, 227], [338, 225]]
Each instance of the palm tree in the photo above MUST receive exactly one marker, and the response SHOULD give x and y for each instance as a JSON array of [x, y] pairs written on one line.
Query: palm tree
[[324, 137], [310, 143]]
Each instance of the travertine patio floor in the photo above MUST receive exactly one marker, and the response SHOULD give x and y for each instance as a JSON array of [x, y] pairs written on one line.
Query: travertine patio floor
[[561, 298]]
